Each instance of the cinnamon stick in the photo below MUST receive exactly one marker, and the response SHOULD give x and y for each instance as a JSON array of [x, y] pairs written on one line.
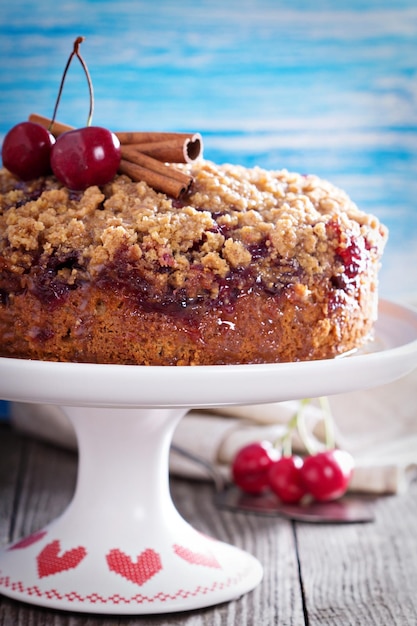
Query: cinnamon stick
[[151, 168], [164, 146], [132, 155], [168, 147], [157, 181], [56, 129], [169, 151]]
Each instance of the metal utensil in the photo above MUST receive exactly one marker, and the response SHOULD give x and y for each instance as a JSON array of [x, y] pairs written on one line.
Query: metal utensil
[[346, 510]]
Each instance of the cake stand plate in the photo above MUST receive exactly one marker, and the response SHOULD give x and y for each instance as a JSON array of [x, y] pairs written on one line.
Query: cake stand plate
[[121, 547]]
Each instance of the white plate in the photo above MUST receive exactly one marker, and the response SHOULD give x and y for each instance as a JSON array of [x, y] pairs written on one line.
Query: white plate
[[392, 355]]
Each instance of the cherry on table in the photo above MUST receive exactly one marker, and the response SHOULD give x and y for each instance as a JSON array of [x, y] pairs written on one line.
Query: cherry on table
[[85, 156], [285, 479], [250, 467], [326, 475], [26, 150]]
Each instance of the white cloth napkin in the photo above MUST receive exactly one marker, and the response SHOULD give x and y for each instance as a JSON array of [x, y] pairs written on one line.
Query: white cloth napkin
[[378, 426]]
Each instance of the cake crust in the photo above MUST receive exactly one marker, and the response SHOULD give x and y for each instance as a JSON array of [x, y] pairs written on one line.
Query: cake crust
[[250, 266]]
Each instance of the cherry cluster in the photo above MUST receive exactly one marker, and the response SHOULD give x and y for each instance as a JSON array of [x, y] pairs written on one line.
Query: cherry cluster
[[325, 475], [78, 158]]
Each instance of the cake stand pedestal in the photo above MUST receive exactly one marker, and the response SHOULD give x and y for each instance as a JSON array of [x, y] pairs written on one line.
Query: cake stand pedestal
[[121, 547]]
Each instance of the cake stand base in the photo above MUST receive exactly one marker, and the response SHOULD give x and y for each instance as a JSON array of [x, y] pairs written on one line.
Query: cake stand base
[[121, 547]]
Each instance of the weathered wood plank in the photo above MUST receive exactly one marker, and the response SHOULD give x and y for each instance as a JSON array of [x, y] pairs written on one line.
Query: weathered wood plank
[[11, 458], [278, 598], [351, 574], [363, 574], [46, 485]]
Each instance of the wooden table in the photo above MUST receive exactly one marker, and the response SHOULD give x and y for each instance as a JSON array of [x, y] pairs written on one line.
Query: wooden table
[[362, 574]]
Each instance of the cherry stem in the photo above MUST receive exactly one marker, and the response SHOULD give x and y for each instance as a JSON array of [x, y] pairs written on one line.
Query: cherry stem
[[301, 426], [297, 422], [328, 423], [286, 439], [75, 52]]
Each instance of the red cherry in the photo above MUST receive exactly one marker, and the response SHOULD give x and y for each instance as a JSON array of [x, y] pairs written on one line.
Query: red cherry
[[285, 479], [85, 156], [326, 475], [26, 150], [251, 466]]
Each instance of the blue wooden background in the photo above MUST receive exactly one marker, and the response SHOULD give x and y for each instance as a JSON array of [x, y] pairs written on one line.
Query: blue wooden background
[[328, 87]]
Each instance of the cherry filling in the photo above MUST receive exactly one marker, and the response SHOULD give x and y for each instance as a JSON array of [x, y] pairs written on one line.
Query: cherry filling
[[186, 302], [259, 250], [148, 289], [49, 283], [144, 295], [31, 192], [354, 258], [352, 253], [4, 297]]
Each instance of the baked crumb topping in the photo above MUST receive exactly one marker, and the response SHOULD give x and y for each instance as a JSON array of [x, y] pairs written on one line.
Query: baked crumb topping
[[231, 218]]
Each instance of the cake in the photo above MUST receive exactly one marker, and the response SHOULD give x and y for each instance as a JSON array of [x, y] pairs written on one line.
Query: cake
[[248, 266]]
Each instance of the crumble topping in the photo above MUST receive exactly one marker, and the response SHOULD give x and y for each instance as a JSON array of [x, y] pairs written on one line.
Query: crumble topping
[[230, 213]]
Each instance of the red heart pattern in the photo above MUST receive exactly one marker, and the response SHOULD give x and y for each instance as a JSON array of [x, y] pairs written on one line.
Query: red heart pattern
[[51, 562], [196, 558], [147, 564]]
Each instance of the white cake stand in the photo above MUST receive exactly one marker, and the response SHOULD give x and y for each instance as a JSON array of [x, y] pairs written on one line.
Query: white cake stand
[[121, 547]]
